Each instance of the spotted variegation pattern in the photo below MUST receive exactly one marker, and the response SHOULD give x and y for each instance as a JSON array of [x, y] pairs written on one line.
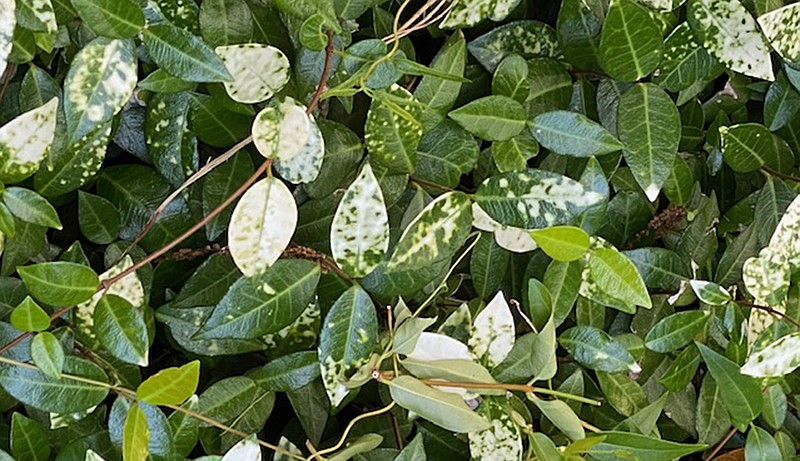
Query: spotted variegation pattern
[[527, 38], [7, 22], [129, 288], [782, 29], [786, 238], [777, 359], [304, 166], [502, 441], [512, 239], [660, 5], [467, 13], [360, 228], [492, 335], [40, 14], [393, 130], [767, 276], [436, 233], [262, 225], [727, 30], [534, 199], [100, 81], [258, 71], [301, 334], [182, 13], [25, 142], [171, 146]]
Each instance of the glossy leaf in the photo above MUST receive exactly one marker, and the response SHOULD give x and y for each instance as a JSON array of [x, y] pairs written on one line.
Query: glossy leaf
[[630, 43], [562, 243], [675, 331], [170, 386], [595, 349], [60, 283], [111, 18], [573, 134], [121, 328]]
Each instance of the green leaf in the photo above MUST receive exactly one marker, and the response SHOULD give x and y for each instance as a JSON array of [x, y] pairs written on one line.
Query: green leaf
[[780, 29], [60, 284], [622, 392], [595, 349], [526, 38], [747, 147], [48, 354], [29, 316], [649, 125], [111, 18], [136, 435], [25, 141], [760, 446], [288, 373], [159, 81], [262, 225], [348, 337], [439, 94], [630, 43], [741, 394], [578, 27], [660, 268], [360, 228], [684, 61], [562, 243], [34, 388], [121, 329], [445, 153], [263, 304], [513, 155], [28, 439], [37, 16], [777, 359], [675, 331], [533, 199], [393, 130], [713, 420], [573, 134], [636, 446], [728, 32], [781, 103], [445, 410], [98, 218], [610, 273], [511, 79], [562, 416], [31, 207], [493, 118], [225, 22], [488, 265], [183, 55], [682, 370], [258, 71], [170, 386], [219, 185]]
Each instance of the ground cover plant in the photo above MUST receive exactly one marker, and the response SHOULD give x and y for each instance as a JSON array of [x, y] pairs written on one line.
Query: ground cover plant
[[399, 230]]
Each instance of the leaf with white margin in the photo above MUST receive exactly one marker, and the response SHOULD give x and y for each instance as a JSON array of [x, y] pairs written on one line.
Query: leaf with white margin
[[8, 21], [100, 81], [262, 225], [129, 288], [767, 276], [777, 359], [781, 28], [728, 31], [492, 335], [786, 238], [360, 228], [258, 71], [246, 450], [710, 292], [512, 239], [286, 133], [501, 442], [25, 141], [435, 234], [436, 346], [467, 13], [534, 199]]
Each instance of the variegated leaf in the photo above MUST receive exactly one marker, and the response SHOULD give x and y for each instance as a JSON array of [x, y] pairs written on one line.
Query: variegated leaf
[[767, 276], [258, 71], [467, 13], [512, 239], [8, 21], [100, 81], [534, 199], [25, 141], [501, 442], [37, 15], [527, 38], [492, 335], [728, 31], [786, 238], [435, 234], [777, 359], [246, 450], [262, 225], [393, 131], [782, 29], [360, 228], [171, 146], [436, 346], [611, 279], [285, 132]]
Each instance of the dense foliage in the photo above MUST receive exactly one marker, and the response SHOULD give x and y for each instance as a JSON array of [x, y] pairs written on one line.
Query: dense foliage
[[378, 230]]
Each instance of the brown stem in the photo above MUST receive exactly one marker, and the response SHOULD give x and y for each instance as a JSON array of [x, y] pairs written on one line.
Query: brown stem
[[323, 79], [10, 71], [432, 185], [22, 337], [778, 174], [771, 311], [721, 444]]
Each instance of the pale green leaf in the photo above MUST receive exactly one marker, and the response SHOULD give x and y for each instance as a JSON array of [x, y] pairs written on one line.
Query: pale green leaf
[[111, 18], [60, 284], [493, 118], [48, 354], [640, 447], [29, 316], [31, 207], [761, 446], [122, 330], [136, 435], [562, 243], [595, 349], [170, 386]]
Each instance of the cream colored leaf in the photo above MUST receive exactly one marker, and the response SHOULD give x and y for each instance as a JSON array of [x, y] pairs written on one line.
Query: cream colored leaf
[[246, 450], [777, 359], [782, 29], [492, 335], [467, 13], [258, 71], [435, 346], [8, 21], [25, 141]]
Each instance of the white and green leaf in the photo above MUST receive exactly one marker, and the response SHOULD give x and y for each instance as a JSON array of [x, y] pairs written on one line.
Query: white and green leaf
[[502, 441], [778, 359], [258, 71], [492, 334], [25, 142], [781, 27], [467, 13], [8, 21]]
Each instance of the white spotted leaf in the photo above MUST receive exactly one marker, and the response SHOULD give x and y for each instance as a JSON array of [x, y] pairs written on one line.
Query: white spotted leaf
[[611, 279], [767, 276], [467, 13], [534, 199], [262, 225], [8, 21], [501, 442], [360, 228], [729, 33], [527, 38], [393, 130], [37, 16], [25, 142], [777, 359], [492, 335], [781, 28], [258, 71]]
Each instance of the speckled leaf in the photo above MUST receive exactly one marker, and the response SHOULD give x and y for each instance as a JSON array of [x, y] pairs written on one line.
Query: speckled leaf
[[595, 349], [630, 43], [775, 360], [25, 142], [747, 147], [728, 31], [492, 335], [122, 330], [100, 81], [573, 134], [184, 55], [258, 71], [780, 27], [262, 225], [8, 21], [170, 145], [435, 234], [360, 228], [502, 441], [534, 199], [684, 61], [393, 130], [526, 38], [512, 239], [649, 125], [348, 337], [111, 18], [467, 13]]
